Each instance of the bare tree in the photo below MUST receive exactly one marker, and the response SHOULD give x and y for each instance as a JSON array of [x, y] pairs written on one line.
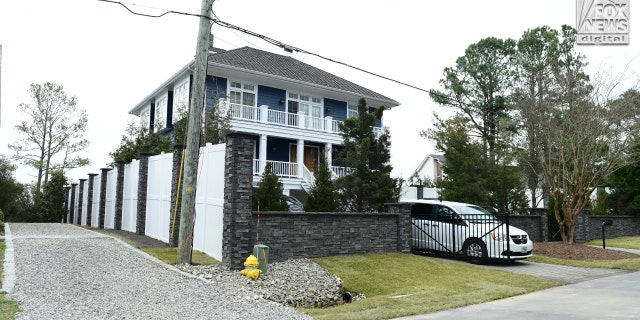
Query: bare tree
[[587, 142], [56, 128]]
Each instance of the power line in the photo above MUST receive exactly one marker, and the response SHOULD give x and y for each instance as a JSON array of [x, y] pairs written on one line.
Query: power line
[[274, 42]]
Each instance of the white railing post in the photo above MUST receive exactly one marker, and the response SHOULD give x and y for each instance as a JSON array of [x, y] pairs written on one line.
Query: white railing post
[[328, 124], [264, 110]]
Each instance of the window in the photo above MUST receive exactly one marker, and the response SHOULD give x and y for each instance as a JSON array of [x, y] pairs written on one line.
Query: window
[[145, 118], [306, 105], [180, 101], [161, 113], [352, 110], [242, 94]]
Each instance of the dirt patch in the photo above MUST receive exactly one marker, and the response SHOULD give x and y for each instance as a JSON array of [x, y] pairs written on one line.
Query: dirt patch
[[578, 251], [138, 241]]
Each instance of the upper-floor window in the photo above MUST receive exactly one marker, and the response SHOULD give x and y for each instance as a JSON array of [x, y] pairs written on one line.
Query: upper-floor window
[[145, 117], [352, 110], [242, 93], [161, 113], [305, 104], [180, 101]]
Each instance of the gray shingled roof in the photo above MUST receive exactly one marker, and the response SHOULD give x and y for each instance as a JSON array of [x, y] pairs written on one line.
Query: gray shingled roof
[[282, 66]]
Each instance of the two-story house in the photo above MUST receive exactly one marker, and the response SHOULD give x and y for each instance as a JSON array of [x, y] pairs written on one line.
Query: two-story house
[[292, 108]]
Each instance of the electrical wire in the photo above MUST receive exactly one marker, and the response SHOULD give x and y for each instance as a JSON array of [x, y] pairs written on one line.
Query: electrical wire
[[270, 40]]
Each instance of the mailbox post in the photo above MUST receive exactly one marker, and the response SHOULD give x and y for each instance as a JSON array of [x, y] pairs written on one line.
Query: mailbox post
[[605, 223]]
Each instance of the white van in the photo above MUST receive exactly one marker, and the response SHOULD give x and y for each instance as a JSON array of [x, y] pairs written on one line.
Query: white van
[[461, 228]]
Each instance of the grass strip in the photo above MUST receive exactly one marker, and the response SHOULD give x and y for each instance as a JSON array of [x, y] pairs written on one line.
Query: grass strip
[[399, 284], [8, 307]]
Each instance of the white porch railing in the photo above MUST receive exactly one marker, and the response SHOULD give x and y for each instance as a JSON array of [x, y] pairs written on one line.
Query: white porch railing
[[339, 172], [287, 119], [290, 169]]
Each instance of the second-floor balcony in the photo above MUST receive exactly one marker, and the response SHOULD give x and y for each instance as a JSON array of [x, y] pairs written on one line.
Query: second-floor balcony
[[265, 115]]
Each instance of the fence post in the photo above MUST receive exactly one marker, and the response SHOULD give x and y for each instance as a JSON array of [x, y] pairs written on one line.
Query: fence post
[[72, 205], [66, 203], [143, 173], [174, 221], [103, 197], [237, 235], [90, 199], [403, 210], [117, 223], [81, 200]]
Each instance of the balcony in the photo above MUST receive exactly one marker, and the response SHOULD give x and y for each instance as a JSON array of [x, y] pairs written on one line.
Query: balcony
[[263, 114]]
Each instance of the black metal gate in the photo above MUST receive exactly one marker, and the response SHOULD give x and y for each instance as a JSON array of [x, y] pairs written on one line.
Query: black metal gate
[[438, 229]]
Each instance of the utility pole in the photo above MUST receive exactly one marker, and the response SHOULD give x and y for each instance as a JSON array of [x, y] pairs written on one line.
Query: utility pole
[[187, 216]]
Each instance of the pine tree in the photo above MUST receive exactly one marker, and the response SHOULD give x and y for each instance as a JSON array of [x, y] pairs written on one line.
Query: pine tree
[[370, 184], [269, 196], [322, 197]]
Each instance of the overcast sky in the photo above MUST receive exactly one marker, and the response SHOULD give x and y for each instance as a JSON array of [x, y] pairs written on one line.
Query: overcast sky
[[111, 59]]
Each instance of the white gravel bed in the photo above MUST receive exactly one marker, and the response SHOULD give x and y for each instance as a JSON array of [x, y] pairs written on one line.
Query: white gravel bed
[[66, 272]]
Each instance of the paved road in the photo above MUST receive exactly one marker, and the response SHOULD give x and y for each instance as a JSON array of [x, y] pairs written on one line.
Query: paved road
[[590, 293]]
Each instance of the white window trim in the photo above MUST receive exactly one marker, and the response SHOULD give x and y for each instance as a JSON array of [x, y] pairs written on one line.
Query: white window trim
[[161, 123], [145, 117], [310, 102], [178, 96], [355, 105], [243, 90]]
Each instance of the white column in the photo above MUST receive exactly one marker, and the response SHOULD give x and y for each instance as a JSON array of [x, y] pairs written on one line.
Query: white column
[[300, 157], [262, 153], [328, 148]]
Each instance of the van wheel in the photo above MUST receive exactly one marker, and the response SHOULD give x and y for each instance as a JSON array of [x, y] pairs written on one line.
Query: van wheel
[[476, 251]]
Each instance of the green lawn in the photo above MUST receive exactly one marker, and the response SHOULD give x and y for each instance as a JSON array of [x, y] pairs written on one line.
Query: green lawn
[[398, 284], [622, 242], [8, 307]]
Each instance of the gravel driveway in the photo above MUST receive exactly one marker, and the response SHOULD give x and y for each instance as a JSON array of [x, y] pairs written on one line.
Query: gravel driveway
[[67, 272]]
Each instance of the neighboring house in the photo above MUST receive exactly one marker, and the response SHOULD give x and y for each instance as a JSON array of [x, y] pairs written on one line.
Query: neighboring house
[[428, 172], [291, 108], [430, 169]]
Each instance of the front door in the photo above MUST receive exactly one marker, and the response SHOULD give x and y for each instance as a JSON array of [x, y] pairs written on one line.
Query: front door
[[311, 156]]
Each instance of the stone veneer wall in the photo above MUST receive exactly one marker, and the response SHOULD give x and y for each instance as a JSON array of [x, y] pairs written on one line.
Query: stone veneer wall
[[143, 174], [238, 235], [90, 198], [117, 223], [81, 201], [623, 226], [72, 203], [294, 235], [103, 197]]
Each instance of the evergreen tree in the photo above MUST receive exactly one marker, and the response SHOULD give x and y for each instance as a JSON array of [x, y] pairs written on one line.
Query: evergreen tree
[[137, 140], [269, 196], [370, 185], [322, 196], [53, 198]]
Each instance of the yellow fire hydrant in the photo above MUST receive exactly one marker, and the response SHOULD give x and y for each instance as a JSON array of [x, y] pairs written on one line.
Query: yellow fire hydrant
[[251, 271]]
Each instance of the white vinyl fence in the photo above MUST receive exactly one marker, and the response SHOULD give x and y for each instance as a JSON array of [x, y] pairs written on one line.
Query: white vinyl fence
[[130, 196], [207, 234]]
